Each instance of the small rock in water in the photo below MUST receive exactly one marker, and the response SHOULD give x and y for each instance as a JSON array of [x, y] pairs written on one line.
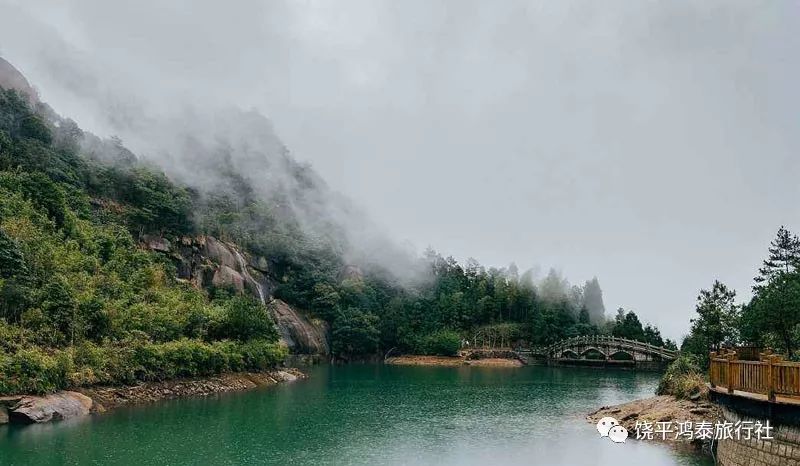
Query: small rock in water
[[286, 376]]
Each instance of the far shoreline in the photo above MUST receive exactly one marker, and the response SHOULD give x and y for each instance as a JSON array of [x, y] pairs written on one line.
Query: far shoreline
[[450, 361]]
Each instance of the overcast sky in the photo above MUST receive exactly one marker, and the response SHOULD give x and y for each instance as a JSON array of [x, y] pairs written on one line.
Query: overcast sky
[[655, 145]]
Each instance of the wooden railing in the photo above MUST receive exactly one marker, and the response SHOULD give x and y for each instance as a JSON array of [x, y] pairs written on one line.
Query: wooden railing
[[770, 376]]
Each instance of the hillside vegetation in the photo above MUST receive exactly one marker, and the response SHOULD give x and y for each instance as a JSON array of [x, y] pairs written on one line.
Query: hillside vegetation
[[83, 302]]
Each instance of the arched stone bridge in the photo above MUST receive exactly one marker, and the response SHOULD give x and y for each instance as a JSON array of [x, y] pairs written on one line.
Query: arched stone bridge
[[603, 351]]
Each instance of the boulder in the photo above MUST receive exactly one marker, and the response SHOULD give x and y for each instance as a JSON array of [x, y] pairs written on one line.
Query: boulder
[[225, 276], [220, 253], [157, 243], [301, 335], [285, 376], [55, 407], [6, 402]]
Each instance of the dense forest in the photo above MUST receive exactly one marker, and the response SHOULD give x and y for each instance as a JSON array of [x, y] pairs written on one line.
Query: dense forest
[[770, 319], [83, 302]]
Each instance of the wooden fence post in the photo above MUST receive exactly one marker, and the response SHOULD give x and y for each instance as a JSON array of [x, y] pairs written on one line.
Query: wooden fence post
[[711, 369], [730, 357], [770, 374]]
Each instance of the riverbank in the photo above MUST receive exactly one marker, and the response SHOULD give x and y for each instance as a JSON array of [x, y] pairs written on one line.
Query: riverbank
[[148, 392], [665, 409], [83, 401], [451, 361]]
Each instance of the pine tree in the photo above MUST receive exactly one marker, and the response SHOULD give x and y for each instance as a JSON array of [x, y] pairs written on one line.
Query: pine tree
[[784, 257], [593, 300], [716, 319]]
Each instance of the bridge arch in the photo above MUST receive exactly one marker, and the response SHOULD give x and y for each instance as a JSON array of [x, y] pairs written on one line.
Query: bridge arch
[[569, 354], [593, 353], [621, 355]]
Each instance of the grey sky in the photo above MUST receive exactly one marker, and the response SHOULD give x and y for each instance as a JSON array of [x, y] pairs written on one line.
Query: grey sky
[[653, 144]]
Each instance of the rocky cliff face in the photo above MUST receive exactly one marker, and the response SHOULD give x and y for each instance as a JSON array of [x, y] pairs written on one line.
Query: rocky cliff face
[[206, 261], [11, 78], [307, 336]]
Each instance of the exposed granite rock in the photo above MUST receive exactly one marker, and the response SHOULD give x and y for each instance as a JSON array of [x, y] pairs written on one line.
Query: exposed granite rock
[[206, 261], [220, 253], [662, 408], [300, 334], [55, 407], [11, 78], [285, 376], [225, 276], [351, 272], [6, 403], [157, 243]]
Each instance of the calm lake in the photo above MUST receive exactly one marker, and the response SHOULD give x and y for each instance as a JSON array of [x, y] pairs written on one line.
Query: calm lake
[[364, 414]]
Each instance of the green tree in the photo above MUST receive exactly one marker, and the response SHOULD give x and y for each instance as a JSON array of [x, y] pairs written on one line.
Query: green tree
[[775, 309], [441, 343], [716, 322], [773, 314], [627, 325], [60, 309], [245, 318], [355, 332], [652, 335], [11, 261], [593, 300], [784, 257]]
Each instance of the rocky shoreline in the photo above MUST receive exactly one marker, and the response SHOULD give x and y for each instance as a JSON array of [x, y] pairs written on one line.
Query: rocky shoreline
[[663, 408], [27, 409]]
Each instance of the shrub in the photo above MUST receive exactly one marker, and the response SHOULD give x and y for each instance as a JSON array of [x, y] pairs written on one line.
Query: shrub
[[683, 378], [33, 371], [260, 354], [441, 343], [244, 319]]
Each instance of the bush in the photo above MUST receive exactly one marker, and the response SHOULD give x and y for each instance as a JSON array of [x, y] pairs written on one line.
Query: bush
[[33, 371], [355, 332], [683, 378], [258, 355], [441, 343], [245, 318]]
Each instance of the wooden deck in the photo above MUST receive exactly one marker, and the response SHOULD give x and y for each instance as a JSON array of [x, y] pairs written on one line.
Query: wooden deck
[[769, 379], [780, 400]]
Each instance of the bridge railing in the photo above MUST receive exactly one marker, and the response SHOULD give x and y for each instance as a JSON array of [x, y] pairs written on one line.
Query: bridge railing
[[603, 339], [770, 376]]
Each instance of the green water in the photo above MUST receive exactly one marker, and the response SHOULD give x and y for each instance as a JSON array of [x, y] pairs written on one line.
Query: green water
[[363, 414]]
